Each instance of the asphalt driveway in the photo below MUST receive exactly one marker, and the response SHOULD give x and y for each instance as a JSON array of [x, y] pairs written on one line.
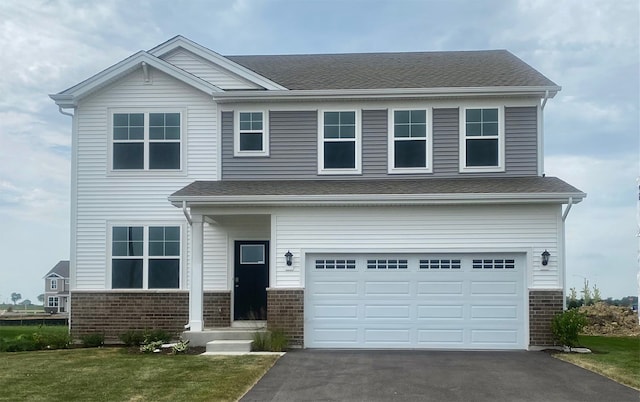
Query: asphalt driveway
[[325, 375]]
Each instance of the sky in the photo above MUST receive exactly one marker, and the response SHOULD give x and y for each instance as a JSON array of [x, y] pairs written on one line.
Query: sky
[[589, 47]]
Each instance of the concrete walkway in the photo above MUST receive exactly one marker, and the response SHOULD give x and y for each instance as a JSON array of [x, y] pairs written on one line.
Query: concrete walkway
[[324, 375]]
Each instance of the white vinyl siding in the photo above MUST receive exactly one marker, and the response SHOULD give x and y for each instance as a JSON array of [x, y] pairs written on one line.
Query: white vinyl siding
[[208, 71], [443, 229], [134, 197]]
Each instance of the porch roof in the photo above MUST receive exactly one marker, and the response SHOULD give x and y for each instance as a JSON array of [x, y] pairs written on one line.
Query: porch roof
[[372, 191]]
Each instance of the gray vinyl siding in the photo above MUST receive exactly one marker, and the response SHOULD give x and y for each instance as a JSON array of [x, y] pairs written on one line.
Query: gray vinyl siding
[[446, 128], [374, 143], [521, 128], [293, 147]]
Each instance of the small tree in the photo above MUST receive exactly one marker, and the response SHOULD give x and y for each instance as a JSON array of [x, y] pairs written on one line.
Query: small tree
[[573, 298], [15, 296], [596, 294], [41, 298], [566, 327], [586, 294]]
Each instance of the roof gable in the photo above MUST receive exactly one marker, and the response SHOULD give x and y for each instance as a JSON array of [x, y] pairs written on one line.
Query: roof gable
[[140, 60], [61, 269], [232, 67]]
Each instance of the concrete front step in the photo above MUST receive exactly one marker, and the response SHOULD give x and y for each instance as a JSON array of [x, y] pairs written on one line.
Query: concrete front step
[[202, 338], [226, 346]]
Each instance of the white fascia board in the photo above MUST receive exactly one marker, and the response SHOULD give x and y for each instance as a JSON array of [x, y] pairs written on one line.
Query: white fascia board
[[236, 96], [51, 275], [383, 199], [69, 97], [210, 55]]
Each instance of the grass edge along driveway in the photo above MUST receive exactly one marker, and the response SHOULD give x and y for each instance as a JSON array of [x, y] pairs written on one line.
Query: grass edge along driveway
[[617, 358], [113, 374]]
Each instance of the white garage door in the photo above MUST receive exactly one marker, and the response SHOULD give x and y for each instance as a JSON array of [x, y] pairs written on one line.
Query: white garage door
[[466, 301]]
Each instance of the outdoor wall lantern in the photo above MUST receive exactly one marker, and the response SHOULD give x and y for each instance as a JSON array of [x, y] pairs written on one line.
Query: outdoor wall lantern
[[545, 257], [289, 258]]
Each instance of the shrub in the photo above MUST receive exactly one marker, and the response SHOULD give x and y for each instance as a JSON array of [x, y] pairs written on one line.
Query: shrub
[[566, 327], [272, 341], [279, 341], [92, 340], [51, 340], [149, 347], [156, 335], [132, 338], [180, 347], [261, 342]]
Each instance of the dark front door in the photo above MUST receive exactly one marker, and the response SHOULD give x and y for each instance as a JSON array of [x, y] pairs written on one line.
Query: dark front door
[[251, 280]]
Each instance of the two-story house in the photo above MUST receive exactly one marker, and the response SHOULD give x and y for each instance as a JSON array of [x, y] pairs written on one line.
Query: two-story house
[[384, 200], [56, 288]]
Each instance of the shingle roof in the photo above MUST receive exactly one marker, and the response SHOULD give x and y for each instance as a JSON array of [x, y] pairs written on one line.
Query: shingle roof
[[61, 268], [486, 68], [426, 187]]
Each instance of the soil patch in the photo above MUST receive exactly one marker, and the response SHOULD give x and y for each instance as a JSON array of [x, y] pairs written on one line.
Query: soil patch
[[610, 320]]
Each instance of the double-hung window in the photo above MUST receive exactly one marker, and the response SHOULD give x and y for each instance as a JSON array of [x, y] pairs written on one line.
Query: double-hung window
[[54, 284], [339, 142], [482, 139], [409, 142], [251, 136], [146, 141], [52, 301], [145, 257]]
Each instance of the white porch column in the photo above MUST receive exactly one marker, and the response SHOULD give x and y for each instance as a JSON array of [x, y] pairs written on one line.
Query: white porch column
[[196, 286]]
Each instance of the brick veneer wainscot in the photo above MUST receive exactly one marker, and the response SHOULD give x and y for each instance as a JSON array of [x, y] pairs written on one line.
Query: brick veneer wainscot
[[113, 313], [285, 311], [543, 305]]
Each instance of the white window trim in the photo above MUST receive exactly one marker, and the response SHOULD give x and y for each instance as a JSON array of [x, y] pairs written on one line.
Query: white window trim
[[54, 284], [147, 141], [391, 144], [265, 134], [357, 139], [501, 141], [182, 279], [52, 301]]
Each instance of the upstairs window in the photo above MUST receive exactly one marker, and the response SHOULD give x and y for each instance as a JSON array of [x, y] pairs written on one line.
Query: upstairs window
[[146, 141], [54, 284], [339, 143], [409, 142], [251, 134], [482, 139], [145, 257]]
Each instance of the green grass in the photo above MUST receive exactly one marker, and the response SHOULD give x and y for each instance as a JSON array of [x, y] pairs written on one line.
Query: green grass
[[13, 331], [615, 357], [113, 374]]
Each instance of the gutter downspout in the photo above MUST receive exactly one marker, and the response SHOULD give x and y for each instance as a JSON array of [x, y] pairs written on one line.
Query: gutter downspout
[[72, 261], [541, 133], [564, 253], [186, 213], [64, 113]]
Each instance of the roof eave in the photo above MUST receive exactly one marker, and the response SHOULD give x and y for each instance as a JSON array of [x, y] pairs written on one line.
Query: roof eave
[[69, 98], [247, 95], [376, 199]]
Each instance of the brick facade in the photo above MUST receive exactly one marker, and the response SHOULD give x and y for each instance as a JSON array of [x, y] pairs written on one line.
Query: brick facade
[[543, 305], [285, 311], [217, 309], [113, 313]]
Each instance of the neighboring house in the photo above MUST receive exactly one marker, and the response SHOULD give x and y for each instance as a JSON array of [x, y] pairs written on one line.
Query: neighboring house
[[56, 288], [384, 200]]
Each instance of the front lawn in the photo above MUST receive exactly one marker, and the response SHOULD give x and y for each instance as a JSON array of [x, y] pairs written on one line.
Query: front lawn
[[13, 331], [615, 357], [115, 374]]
